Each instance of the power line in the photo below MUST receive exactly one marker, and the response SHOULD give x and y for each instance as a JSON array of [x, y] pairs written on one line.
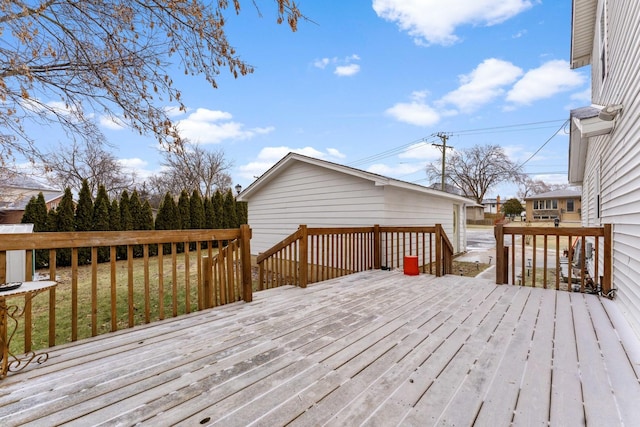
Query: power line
[[543, 145], [495, 129], [507, 126]]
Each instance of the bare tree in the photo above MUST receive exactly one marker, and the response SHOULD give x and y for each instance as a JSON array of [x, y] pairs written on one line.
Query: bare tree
[[477, 169], [529, 187], [192, 167], [64, 61], [69, 165]]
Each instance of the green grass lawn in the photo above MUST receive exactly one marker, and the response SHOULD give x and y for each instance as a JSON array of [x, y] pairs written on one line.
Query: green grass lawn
[[174, 299]]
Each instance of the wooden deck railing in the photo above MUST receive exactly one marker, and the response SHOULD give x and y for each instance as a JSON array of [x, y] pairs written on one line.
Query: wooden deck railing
[[213, 268], [564, 258], [314, 254]]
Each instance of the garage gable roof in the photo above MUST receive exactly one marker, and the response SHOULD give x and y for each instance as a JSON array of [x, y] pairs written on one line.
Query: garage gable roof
[[377, 179]]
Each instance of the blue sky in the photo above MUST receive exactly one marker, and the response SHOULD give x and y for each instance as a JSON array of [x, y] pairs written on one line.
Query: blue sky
[[368, 84]]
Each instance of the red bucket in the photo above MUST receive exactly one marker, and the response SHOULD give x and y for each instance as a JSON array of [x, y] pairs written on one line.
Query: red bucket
[[411, 265]]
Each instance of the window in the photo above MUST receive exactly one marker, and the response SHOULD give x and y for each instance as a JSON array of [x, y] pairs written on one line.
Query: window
[[570, 206]]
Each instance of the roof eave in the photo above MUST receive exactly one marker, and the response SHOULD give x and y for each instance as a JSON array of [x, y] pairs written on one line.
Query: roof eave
[[583, 20]]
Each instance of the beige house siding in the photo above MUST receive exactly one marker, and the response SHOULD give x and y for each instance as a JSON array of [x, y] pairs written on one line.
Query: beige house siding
[[565, 209]]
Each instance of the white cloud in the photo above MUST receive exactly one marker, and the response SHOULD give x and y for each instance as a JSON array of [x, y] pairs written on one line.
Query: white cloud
[[544, 82], [347, 70], [343, 66], [321, 63], [582, 96], [551, 178], [334, 152], [137, 166], [398, 170], [435, 21], [112, 123], [269, 156], [416, 112], [421, 151], [173, 111], [206, 126], [483, 84], [491, 80]]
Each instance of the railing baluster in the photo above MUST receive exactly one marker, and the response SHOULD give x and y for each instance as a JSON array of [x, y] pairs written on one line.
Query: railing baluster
[[74, 294], [558, 271], [52, 298], [130, 285], [187, 281], [534, 264], [94, 291], [147, 286], [161, 281], [174, 278], [544, 278]]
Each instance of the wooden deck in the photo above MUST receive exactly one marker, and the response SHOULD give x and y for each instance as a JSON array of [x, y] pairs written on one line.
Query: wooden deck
[[376, 348]]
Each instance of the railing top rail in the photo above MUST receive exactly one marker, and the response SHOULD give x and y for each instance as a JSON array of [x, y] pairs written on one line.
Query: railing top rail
[[410, 229], [279, 246], [553, 231], [79, 239], [446, 241], [318, 231]]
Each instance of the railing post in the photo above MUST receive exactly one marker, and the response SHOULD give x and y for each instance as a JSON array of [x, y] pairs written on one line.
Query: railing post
[[608, 254], [303, 256], [439, 252], [3, 266], [245, 263], [500, 258], [377, 260], [207, 277]]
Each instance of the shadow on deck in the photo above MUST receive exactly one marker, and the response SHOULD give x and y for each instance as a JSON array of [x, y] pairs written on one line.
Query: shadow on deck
[[375, 347]]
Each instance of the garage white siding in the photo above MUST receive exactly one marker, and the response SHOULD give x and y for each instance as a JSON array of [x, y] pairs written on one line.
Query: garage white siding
[[300, 190], [311, 195], [403, 207]]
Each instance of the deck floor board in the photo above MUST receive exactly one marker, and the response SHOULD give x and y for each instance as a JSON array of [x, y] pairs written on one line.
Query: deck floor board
[[372, 348]]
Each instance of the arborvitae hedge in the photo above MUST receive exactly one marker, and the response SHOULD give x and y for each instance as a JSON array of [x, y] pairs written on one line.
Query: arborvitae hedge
[[218, 212], [64, 221], [129, 213], [101, 220], [36, 213], [167, 217], [229, 208], [196, 211], [115, 223], [209, 214], [126, 220], [184, 210], [84, 209]]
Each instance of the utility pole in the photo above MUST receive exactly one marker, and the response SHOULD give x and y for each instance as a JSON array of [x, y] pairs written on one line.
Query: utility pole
[[443, 147]]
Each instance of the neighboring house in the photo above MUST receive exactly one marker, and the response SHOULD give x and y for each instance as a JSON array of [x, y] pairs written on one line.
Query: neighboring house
[[475, 212], [490, 206], [562, 204], [303, 190], [604, 147], [16, 192]]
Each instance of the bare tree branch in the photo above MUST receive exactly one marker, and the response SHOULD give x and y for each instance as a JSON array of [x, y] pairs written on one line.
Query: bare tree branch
[[112, 57], [69, 165], [477, 169]]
